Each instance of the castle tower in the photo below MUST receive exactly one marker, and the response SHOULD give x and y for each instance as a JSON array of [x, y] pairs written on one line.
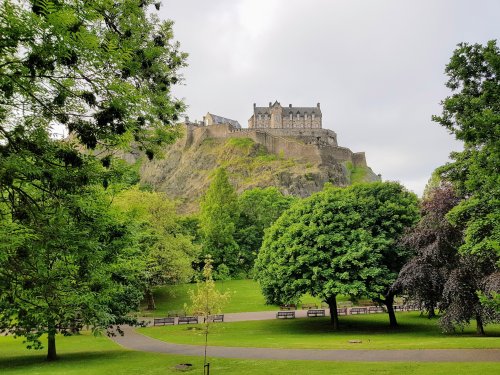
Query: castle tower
[[277, 117]]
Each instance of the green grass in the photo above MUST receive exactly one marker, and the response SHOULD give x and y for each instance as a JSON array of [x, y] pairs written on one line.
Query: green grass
[[244, 143], [89, 355], [415, 332], [245, 297], [358, 174]]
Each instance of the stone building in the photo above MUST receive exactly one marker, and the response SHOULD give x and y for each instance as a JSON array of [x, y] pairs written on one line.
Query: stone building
[[277, 117], [211, 119]]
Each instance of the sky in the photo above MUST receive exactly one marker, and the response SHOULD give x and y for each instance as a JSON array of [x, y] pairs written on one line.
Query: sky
[[376, 67]]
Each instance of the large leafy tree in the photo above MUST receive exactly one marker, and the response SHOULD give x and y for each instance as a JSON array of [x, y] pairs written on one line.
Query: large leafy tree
[[168, 250], [259, 208], [472, 114], [336, 242], [103, 71], [66, 264], [218, 216], [434, 244], [438, 275], [388, 210]]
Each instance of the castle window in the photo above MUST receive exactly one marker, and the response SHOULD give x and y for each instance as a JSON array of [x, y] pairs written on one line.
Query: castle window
[[291, 116], [305, 116], [298, 115], [312, 116]]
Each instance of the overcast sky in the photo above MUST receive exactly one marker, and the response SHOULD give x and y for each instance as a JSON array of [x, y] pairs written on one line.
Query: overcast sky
[[376, 67]]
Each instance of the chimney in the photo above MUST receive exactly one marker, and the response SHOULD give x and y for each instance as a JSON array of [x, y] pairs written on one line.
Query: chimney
[[254, 105], [317, 105], [186, 120], [270, 104], [289, 106]]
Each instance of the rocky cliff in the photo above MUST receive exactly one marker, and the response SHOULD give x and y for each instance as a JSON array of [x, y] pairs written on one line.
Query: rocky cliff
[[185, 170]]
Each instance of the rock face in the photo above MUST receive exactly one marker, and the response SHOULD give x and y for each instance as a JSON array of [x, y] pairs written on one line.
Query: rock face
[[296, 164]]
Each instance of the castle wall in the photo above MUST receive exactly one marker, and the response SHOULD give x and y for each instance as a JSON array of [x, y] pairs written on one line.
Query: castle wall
[[321, 149]]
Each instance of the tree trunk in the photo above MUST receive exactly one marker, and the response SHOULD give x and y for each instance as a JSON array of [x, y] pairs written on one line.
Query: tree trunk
[[51, 352], [389, 302], [151, 299], [334, 316], [479, 325], [430, 310]]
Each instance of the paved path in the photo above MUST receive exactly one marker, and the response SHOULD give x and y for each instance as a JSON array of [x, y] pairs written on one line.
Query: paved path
[[135, 341]]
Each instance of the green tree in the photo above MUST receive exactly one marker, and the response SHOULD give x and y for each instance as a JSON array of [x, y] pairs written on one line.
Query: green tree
[[168, 250], [472, 114], [336, 242], [69, 264], [103, 71], [259, 208], [218, 216], [207, 300]]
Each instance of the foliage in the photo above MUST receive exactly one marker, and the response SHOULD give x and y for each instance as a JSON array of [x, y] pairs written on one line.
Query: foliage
[[69, 264], [472, 114], [338, 241], [168, 250], [218, 216], [434, 243], [103, 71], [438, 275], [206, 299], [259, 208]]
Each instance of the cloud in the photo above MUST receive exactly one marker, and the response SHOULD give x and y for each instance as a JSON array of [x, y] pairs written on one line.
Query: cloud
[[377, 67]]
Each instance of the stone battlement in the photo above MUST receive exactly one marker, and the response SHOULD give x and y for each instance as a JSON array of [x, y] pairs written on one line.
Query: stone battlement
[[312, 145]]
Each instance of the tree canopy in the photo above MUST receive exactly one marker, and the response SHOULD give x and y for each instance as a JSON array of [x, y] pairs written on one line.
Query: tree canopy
[[472, 115], [218, 216], [101, 70], [168, 251], [258, 208], [335, 242]]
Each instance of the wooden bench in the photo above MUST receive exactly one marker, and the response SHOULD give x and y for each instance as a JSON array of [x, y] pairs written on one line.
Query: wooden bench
[[285, 314], [358, 310], [342, 311], [314, 313], [375, 309], [308, 306], [412, 307], [188, 320], [163, 321], [290, 306], [214, 318]]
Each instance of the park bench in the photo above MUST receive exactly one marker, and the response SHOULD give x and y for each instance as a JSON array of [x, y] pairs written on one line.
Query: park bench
[[188, 320], [398, 308], [375, 309], [412, 307], [342, 311], [358, 310], [285, 314], [214, 318], [289, 306], [308, 306], [163, 321], [313, 313]]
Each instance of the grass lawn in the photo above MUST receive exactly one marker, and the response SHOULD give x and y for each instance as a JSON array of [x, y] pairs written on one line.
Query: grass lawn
[[415, 332], [245, 297], [89, 355]]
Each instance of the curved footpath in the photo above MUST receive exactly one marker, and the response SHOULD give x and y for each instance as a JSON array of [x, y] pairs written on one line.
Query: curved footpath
[[135, 341]]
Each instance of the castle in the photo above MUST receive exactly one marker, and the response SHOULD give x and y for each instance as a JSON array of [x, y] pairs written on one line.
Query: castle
[[277, 117], [292, 132]]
